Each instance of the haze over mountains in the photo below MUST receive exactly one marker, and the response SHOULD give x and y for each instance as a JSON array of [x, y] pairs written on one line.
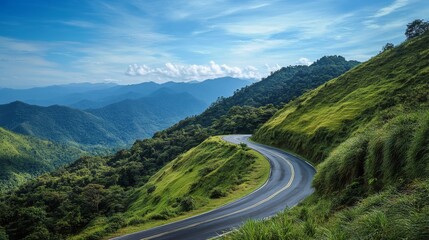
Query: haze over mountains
[[87, 95], [114, 116]]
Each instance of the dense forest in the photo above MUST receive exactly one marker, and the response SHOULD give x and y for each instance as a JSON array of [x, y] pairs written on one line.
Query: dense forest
[[23, 157]]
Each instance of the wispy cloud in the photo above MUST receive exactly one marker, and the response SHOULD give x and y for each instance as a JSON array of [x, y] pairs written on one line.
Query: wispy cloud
[[78, 23], [98, 39], [391, 8]]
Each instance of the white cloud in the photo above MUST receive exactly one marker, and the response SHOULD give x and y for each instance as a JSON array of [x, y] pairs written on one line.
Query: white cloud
[[193, 72], [304, 61], [391, 8]]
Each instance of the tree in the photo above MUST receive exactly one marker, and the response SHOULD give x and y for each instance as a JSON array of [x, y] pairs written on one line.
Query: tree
[[93, 195], [388, 46], [416, 28]]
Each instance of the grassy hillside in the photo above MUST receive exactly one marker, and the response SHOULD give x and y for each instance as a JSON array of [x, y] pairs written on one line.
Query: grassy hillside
[[392, 83], [207, 176], [369, 131], [23, 157]]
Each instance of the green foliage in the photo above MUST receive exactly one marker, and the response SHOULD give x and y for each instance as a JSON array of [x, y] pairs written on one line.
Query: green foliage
[[243, 119], [387, 47], [187, 204], [23, 157], [217, 192], [3, 235], [416, 28]]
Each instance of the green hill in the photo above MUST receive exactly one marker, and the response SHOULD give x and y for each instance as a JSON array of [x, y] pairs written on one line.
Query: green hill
[[23, 157], [207, 176], [392, 83], [369, 131]]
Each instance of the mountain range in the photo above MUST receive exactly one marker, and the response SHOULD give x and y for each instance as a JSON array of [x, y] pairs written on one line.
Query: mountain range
[[87, 95], [137, 111]]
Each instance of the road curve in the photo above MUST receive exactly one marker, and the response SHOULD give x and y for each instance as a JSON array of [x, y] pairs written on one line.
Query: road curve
[[288, 184]]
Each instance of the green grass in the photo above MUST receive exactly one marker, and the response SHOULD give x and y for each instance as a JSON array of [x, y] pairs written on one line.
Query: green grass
[[390, 84], [206, 177]]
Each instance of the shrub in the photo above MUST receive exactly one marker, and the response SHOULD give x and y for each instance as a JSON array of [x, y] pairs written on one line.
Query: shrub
[[187, 204], [217, 193]]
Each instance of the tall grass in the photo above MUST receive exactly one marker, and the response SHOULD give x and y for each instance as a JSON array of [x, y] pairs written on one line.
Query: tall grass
[[418, 154], [391, 214], [397, 151]]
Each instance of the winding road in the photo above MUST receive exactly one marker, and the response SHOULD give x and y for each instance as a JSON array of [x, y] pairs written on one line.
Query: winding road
[[288, 184]]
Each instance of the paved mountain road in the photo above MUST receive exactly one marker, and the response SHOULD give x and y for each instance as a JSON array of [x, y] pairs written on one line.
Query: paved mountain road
[[288, 184]]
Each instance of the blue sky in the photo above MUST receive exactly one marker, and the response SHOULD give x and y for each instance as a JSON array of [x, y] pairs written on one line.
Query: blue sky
[[58, 42]]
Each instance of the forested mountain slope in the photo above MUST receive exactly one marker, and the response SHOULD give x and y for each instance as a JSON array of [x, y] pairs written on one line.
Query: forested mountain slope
[[115, 125], [141, 118], [59, 124], [23, 157], [280, 87]]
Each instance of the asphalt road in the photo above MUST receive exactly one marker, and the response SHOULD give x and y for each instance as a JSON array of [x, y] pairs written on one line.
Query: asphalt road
[[288, 184]]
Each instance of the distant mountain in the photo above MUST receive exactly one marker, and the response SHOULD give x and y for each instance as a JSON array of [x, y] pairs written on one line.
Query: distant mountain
[[22, 157], [141, 118], [49, 95], [114, 125], [207, 91], [91, 96], [59, 124]]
